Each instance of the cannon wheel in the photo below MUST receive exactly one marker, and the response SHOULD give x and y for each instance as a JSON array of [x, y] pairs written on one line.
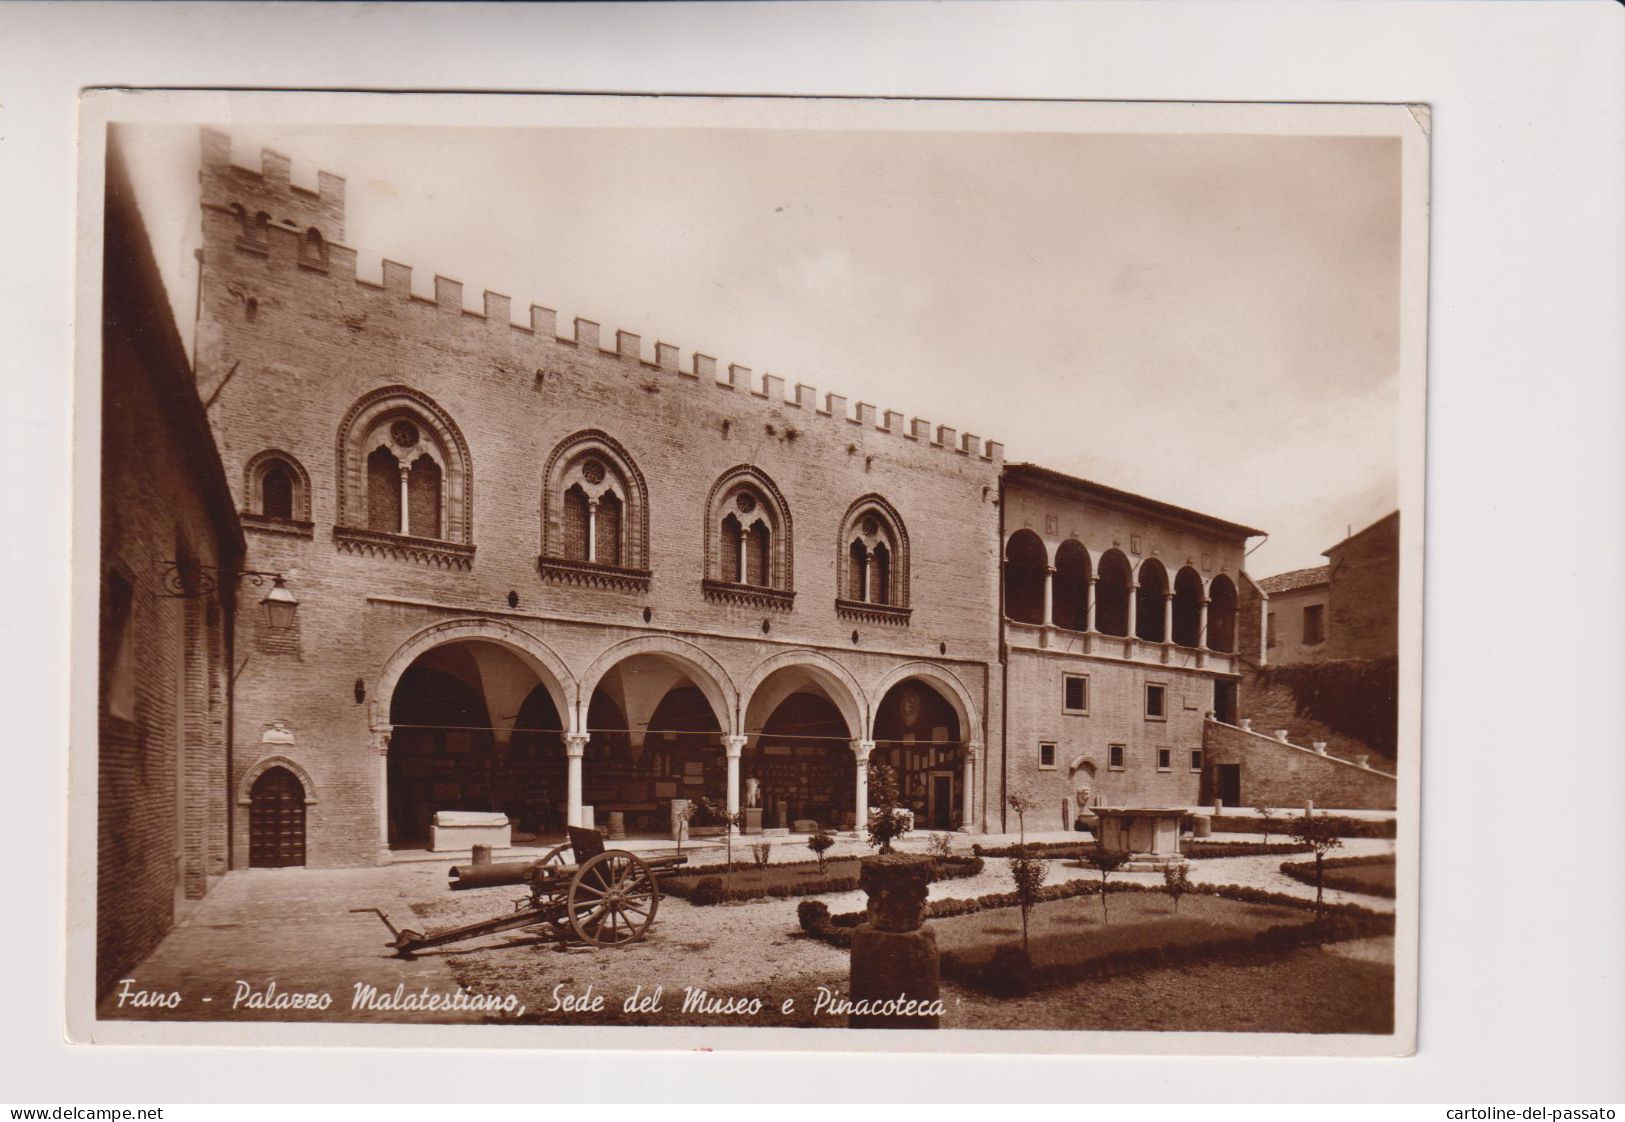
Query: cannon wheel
[[612, 899]]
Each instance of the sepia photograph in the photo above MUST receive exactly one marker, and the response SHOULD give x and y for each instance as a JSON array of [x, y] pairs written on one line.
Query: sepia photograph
[[758, 570]]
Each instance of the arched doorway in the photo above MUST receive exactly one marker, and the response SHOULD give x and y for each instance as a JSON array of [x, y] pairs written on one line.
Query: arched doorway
[[654, 737], [918, 733], [801, 720], [474, 727], [276, 820]]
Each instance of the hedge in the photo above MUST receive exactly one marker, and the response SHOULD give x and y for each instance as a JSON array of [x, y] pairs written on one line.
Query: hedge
[[1282, 824], [1305, 871], [714, 890], [1200, 849], [1036, 849]]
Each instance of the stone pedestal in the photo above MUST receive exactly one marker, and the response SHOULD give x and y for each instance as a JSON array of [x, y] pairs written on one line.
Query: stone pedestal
[[894, 956], [1201, 826], [753, 820], [1148, 834]]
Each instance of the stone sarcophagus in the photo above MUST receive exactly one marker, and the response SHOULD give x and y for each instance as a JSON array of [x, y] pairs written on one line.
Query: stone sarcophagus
[[464, 829]]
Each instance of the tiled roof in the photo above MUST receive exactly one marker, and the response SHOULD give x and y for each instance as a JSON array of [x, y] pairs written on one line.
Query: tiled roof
[[1034, 472], [1296, 579]]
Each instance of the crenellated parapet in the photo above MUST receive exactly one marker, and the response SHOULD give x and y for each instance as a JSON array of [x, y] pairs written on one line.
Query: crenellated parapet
[[300, 230]]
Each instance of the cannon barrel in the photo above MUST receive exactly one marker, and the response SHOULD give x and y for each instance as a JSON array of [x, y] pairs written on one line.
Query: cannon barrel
[[489, 876]]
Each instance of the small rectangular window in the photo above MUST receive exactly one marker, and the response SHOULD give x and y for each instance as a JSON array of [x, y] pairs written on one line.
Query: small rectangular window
[[1314, 624], [1196, 759], [1165, 759], [1114, 757], [1046, 756], [1156, 702], [1269, 629], [1075, 693]]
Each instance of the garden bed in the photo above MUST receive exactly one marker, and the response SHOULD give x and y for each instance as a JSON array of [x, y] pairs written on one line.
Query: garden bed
[[789, 878], [1046, 850], [1373, 875], [1223, 923]]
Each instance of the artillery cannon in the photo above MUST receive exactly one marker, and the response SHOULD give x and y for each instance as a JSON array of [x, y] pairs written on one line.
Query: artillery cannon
[[606, 898]]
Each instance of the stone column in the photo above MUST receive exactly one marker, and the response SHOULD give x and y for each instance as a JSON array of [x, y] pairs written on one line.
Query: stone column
[[1133, 608], [592, 530], [861, 750], [1089, 609], [575, 746], [894, 955], [1168, 616], [1049, 595], [972, 751], [406, 524], [734, 745], [1201, 627], [380, 744]]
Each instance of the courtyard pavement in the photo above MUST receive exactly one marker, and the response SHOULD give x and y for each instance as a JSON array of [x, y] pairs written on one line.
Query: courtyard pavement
[[263, 936]]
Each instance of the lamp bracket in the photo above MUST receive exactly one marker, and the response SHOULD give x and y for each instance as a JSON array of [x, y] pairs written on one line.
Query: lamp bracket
[[189, 580]]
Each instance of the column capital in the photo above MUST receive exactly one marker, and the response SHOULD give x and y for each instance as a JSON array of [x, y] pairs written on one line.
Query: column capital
[[1049, 570], [735, 744], [862, 749], [380, 738], [1094, 578], [1167, 594], [575, 743], [973, 751]]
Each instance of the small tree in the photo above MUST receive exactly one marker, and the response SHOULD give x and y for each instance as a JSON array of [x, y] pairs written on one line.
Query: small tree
[[1021, 806], [730, 822], [888, 821], [820, 843], [1320, 835], [1108, 861], [1267, 815], [1029, 873], [761, 853], [939, 845], [1175, 882]]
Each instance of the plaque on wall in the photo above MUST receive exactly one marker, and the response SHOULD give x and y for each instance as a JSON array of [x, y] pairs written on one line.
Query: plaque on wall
[[665, 790]]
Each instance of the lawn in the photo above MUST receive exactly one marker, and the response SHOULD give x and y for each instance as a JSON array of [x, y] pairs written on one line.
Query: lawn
[[1373, 876], [1062, 932]]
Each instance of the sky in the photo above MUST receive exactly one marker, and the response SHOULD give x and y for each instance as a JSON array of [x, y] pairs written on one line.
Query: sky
[[1209, 320]]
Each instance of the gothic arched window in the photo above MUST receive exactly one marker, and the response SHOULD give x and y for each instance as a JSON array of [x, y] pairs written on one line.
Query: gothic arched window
[[872, 563], [595, 515], [748, 553], [405, 484]]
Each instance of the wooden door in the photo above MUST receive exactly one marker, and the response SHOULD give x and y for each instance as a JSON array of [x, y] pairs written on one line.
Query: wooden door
[[276, 821]]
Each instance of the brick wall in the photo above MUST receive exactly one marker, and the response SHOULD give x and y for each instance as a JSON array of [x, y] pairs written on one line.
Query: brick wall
[[1280, 774], [1364, 601], [163, 704], [291, 346], [1275, 706], [1116, 715]]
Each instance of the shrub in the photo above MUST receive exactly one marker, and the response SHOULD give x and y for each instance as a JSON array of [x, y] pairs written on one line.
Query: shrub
[[820, 843], [685, 885], [939, 845], [1175, 882], [1028, 873], [813, 915], [1035, 849], [1305, 871], [707, 892], [761, 853], [889, 821], [1268, 816]]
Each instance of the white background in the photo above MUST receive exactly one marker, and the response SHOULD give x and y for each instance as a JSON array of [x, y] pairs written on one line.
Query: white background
[[1523, 919]]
